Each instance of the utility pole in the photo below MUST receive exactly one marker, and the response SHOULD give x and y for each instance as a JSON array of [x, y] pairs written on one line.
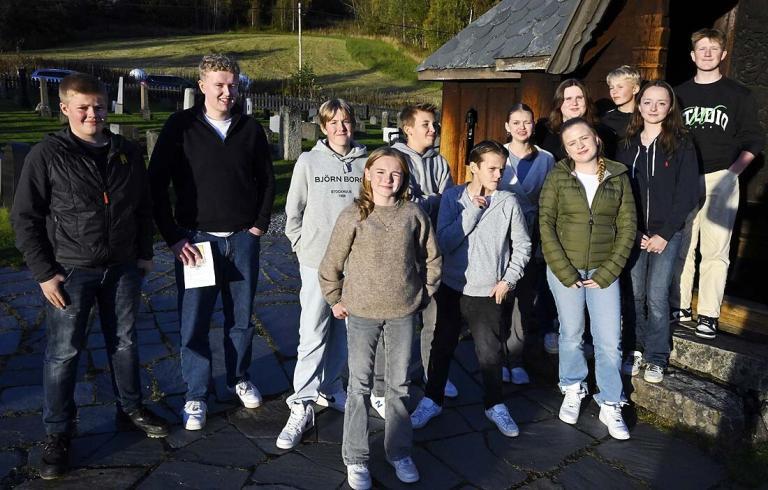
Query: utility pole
[[300, 64]]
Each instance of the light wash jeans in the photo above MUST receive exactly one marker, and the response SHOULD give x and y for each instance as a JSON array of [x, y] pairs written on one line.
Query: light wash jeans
[[322, 350], [604, 306], [363, 336]]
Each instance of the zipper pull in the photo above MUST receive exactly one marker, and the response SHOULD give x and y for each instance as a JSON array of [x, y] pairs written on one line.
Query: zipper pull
[[106, 198]]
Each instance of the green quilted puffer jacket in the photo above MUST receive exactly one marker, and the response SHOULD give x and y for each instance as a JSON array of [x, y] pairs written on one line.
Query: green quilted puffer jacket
[[576, 237]]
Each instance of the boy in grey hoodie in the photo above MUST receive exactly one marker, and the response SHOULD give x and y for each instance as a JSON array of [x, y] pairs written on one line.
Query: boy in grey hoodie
[[484, 239], [430, 177], [325, 180]]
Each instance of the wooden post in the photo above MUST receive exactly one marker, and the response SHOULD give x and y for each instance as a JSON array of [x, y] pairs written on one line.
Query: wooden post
[[146, 114], [119, 105]]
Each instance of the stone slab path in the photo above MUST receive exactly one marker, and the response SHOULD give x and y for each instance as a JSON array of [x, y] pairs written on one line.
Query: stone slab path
[[459, 449]]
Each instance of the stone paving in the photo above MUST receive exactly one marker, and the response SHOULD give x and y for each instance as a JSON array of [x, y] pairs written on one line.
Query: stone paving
[[459, 449]]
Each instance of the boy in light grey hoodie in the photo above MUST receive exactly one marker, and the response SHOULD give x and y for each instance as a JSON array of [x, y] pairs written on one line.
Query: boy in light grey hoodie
[[325, 180], [430, 177], [482, 234]]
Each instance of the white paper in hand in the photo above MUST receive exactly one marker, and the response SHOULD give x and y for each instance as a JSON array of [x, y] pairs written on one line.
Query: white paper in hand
[[202, 275]]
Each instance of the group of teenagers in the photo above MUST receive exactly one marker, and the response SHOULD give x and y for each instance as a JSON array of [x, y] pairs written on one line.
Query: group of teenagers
[[548, 234]]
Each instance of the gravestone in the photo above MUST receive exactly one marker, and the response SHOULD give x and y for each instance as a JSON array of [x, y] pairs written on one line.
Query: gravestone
[[373, 121], [189, 98], [10, 170], [360, 127], [384, 118], [119, 105], [290, 132], [316, 119], [248, 106], [152, 136], [146, 114], [310, 131], [126, 131], [311, 113], [389, 135], [274, 123], [44, 108]]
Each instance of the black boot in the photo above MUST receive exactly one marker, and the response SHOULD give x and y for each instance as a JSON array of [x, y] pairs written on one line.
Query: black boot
[[55, 458], [143, 419]]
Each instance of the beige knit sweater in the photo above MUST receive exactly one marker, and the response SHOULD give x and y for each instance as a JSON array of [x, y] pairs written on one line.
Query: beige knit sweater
[[392, 262]]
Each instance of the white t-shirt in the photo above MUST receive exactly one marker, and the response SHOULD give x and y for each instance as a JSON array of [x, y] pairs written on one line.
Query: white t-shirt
[[221, 127], [590, 184]]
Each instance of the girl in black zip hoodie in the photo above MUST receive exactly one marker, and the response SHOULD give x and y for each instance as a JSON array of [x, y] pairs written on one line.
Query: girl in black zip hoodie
[[663, 169]]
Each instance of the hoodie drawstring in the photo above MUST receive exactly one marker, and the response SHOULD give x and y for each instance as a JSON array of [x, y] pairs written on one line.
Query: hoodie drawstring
[[634, 162]]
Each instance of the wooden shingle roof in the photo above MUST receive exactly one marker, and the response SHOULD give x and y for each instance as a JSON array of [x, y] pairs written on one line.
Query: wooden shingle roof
[[514, 36]]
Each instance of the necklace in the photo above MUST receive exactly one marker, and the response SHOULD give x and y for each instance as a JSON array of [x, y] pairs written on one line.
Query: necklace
[[384, 223]]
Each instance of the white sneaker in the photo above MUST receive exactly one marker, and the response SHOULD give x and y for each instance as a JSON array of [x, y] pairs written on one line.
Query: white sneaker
[[379, 403], [302, 418], [610, 415], [632, 363], [653, 373], [248, 394], [406, 470], [358, 477], [336, 401], [450, 390], [499, 415], [520, 376], [425, 411], [194, 415], [552, 342], [571, 406]]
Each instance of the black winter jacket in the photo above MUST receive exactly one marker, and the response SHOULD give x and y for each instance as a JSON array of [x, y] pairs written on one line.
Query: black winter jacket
[[666, 188], [220, 186], [64, 212]]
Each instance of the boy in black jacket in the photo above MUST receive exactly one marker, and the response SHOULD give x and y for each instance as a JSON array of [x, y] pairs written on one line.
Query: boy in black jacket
[[721, 114], [82, 218], [219, 164]]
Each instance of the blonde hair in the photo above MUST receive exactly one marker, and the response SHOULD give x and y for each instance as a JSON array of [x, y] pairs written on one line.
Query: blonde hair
[[624, 71], [218, 62], [600, 160], [365, 201], [81, 83], [329, 108], [715, 35]]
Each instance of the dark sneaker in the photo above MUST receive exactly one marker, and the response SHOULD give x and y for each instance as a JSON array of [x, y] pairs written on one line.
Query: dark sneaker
[[707, 327], [55, 459], [145, 420], [677, 315]]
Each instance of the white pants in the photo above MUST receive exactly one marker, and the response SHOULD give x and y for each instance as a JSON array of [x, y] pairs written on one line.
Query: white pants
[[710, 227]]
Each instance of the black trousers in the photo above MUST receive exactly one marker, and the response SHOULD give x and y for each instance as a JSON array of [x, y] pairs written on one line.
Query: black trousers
[[484, 318]]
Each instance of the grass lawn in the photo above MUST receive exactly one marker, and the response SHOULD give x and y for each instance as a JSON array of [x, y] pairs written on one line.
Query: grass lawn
[[341, 63]]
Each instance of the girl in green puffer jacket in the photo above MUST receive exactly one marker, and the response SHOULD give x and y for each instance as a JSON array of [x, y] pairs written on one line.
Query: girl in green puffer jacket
[[588, 222]]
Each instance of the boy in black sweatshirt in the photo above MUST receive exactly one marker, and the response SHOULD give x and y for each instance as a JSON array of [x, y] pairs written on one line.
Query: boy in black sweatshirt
[[721, 114], [83, 220], [219, 164]]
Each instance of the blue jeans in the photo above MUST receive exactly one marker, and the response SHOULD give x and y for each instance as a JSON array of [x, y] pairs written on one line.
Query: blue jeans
[[363, 336], [236, 261], [604, 306], [650, 276], [116, 291]]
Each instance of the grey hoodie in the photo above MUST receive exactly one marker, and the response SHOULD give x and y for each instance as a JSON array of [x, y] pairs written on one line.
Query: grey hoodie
[[323, 183], [476, 242], [430, 177]]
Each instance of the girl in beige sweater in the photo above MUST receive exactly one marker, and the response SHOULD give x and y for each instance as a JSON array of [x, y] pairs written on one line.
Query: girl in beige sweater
[[381, 267]]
